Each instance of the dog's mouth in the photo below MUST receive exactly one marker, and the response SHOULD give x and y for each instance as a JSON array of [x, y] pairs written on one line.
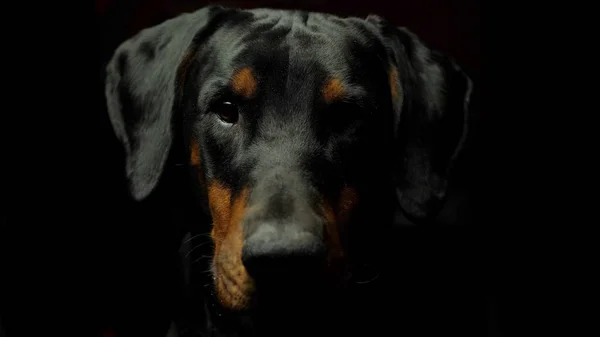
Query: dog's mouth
[[272, 306], [278, 307], [278, 289], [234, 290], [233, 286]]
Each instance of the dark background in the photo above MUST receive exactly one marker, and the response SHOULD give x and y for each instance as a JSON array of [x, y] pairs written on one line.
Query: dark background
[[453, 271], [447, 266]]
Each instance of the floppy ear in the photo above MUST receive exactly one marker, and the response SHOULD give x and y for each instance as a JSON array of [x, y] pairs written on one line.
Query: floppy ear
[[141, 88], [431, 101]]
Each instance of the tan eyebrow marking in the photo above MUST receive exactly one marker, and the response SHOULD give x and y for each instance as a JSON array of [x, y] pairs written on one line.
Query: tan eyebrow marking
[[244, 83], [333, 90]]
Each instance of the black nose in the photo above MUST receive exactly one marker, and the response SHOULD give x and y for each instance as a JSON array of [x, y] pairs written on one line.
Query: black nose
[[276, 251]]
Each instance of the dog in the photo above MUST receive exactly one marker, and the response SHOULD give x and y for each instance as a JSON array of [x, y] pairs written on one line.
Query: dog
[[302, 132]]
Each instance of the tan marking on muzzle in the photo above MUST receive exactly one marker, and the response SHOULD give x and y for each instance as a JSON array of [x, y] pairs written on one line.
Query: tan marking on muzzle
[[233, 284]]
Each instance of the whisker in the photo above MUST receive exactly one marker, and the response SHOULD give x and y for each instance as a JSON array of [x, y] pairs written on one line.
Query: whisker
[[197, 246], [202, 257], [192, 238], [368, 281]]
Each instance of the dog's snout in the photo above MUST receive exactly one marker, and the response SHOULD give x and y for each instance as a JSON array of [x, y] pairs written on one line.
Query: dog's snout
[[283, 229], [276, 251]]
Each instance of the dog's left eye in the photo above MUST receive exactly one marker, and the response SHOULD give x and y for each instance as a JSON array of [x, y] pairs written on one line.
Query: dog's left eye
[[227, 112]]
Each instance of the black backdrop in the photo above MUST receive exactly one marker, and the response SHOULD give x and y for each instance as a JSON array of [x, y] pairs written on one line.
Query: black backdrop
[[452, 267], [448, 264]]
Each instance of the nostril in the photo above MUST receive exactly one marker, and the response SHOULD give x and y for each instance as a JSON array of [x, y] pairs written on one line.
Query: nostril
[[277, 253]]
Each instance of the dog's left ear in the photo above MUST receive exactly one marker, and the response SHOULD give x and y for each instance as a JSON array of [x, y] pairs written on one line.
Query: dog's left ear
[[431, 96]]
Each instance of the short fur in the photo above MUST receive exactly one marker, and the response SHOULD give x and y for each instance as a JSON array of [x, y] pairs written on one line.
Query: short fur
[[340, 119]]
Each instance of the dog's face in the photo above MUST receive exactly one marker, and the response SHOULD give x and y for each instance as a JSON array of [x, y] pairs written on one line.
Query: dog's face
[[284, 123], [300, 129]]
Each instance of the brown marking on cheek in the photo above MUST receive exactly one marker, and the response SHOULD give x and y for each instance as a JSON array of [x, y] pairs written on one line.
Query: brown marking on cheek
[[182, 71], [347, 202], [244, 83], [335, 251], [394, 82], [233, 284], [196, 161], [337, 218], [333, 90], [195, 153]]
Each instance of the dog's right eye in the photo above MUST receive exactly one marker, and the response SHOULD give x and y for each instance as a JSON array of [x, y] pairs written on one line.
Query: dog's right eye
[[227, 112]]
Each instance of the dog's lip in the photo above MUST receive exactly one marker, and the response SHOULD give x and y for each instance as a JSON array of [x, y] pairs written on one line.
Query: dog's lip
[[225, 275]]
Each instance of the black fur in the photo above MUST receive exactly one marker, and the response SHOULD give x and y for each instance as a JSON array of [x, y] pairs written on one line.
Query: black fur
[[140, 85], [290, 146], [433, 120]]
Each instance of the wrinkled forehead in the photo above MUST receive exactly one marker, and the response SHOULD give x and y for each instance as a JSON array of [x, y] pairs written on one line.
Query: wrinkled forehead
[[298, 51]]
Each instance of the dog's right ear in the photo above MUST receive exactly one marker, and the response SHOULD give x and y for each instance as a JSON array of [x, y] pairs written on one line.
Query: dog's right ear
[[141, 83]]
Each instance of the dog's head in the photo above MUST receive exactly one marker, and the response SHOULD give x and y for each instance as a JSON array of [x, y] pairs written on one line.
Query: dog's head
[[302, 129]]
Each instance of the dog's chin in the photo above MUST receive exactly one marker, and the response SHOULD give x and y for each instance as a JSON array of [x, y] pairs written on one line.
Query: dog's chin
[[283, 306], [278, 296], [277, 310], [274, 290]]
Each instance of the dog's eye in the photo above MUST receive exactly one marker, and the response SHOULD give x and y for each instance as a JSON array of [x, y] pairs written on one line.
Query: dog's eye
[[227, 112]]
